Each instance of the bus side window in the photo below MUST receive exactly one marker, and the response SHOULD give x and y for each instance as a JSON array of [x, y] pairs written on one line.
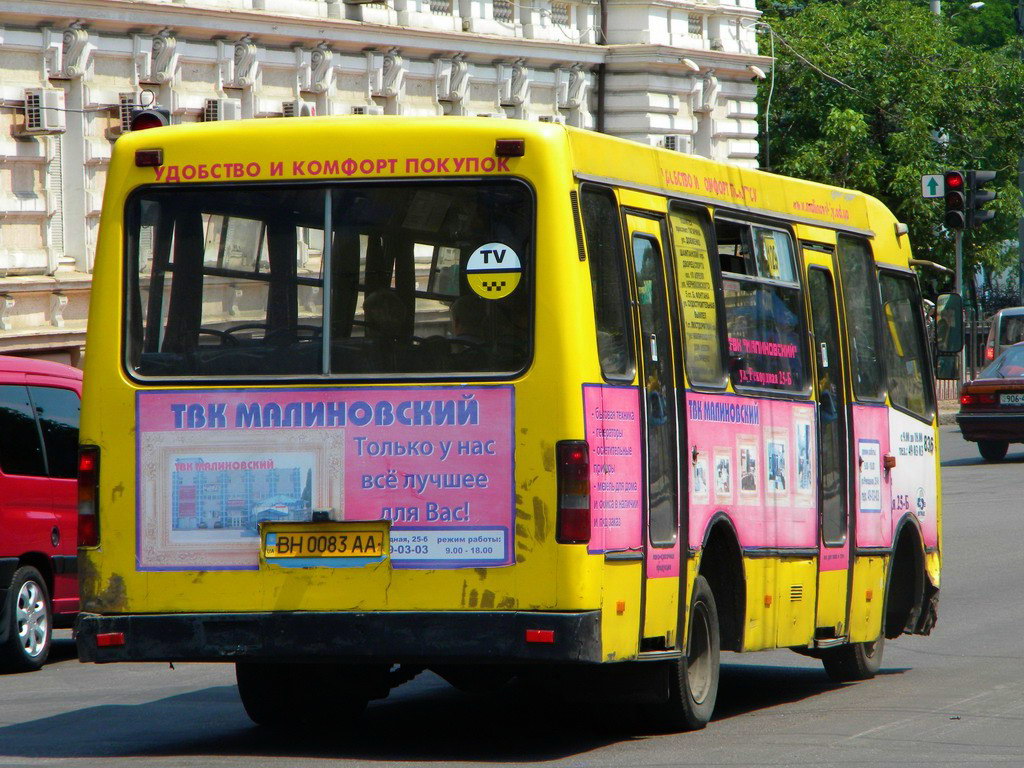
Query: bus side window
[[608, 281], [860, 302], [763, 309], [698, 301], [906, 367]]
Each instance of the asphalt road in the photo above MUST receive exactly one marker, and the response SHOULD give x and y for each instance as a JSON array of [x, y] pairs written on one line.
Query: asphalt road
[[955, 698]]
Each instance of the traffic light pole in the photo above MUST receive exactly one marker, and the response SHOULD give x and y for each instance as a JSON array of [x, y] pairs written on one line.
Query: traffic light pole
[[958, 288]]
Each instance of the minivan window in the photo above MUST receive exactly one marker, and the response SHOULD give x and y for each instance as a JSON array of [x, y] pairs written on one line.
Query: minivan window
[[58, 411], [1011, 329], [20, 450]]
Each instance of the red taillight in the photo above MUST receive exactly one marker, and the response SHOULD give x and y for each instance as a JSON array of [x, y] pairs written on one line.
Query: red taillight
[[573, 492], [110, 639], [982, 399], [990, 353], [88, 491], [545, 636]]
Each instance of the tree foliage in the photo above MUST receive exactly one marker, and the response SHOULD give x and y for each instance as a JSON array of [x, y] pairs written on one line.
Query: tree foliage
[[872, 94]]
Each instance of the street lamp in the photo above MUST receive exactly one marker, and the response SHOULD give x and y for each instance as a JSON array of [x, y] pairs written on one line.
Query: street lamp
[[936, 6], [971, 7]]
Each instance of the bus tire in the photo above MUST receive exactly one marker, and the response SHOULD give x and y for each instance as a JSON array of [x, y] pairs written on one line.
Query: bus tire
[[296, 695], [693, 679], [993, 450], [854, 661], [29, 619]]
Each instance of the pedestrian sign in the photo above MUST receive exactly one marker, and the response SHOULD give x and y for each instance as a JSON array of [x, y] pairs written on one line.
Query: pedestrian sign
[[933, 185]]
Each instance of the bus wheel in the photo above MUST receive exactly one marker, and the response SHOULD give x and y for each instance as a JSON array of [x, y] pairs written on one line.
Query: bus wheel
[[29, 622], [280, 695], [854, 661], [693, 679], [993, 450]]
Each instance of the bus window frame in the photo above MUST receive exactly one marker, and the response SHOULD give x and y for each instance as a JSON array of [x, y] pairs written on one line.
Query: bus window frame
[[922, 337], [711, 243], [131, 292], [876, 310], [807, 392], [627, 285]]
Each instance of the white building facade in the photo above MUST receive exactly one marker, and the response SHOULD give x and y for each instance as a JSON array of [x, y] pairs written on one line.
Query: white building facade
[[676, 73]]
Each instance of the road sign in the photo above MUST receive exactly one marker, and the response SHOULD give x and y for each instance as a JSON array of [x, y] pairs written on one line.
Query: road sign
[[933, 185]]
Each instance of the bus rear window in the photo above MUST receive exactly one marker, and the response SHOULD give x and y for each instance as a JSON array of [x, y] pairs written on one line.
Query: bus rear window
[[427, 279]]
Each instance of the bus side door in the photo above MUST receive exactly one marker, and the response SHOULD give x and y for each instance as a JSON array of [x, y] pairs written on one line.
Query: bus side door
[[833, 449], [661, 382]]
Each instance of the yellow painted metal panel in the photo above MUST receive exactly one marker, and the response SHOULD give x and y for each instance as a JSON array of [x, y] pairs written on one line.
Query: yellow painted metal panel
[[661, 609], [795, 597], [832, 586], [620, 614], [762, 606], [867, 598]]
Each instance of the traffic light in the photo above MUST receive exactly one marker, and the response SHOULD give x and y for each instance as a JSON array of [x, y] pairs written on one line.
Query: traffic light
[[956, 200], [977, 196], [150, 117]]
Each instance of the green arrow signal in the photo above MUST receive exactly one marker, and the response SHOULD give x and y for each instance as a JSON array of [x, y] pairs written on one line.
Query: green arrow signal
[[933, 186]]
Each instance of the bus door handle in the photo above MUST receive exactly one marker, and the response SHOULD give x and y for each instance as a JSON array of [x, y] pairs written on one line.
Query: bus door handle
[[653, 340]]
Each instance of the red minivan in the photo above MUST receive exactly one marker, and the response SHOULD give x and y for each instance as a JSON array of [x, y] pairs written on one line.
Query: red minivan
[[39, 406]]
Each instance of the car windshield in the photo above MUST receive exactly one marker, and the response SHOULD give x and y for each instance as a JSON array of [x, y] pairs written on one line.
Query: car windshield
[[1009, 365]]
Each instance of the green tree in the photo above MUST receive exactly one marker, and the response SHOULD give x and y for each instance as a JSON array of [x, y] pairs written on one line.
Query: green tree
[[872, 94]]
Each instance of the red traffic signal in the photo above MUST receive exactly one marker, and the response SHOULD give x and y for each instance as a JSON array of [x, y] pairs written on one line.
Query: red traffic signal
[[956, 200], [151, 117]]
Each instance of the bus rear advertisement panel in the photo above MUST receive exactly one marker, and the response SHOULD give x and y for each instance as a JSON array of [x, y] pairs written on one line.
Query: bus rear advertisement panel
[[434, 462], [561, 407]]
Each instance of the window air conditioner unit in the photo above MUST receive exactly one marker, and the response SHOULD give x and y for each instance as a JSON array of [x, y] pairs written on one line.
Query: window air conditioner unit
[[44, 111], [677, 142], [552, 119], [220, 109], [365, 109], [298, 108]]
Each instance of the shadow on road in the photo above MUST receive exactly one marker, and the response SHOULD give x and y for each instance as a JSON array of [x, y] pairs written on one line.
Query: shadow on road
[[429, 722], [971, 461]]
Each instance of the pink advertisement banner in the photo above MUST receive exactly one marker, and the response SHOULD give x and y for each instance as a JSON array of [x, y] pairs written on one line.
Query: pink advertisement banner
[[612, 418], [755, 460], [437, 462]]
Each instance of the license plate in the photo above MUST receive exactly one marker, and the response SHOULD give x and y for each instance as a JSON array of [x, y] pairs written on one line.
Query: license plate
[[1017, 398], [322, 542]]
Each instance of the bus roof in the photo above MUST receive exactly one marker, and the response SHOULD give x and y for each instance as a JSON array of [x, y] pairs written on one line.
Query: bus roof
[[372, 147]]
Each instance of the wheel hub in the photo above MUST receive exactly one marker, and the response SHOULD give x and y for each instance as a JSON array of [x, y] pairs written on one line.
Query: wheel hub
[[31, 618]]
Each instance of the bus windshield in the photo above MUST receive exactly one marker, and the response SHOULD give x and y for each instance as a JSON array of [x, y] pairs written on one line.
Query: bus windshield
[[424, 278]]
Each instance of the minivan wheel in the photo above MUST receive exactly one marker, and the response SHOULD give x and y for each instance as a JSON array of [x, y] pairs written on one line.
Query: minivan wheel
[[29, 622], [993, 450]]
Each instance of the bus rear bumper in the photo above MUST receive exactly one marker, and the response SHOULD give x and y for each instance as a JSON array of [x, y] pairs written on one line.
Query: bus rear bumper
[[484, 637]]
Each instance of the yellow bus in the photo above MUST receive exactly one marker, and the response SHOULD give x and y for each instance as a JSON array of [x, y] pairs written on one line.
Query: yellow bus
[[365, 396]]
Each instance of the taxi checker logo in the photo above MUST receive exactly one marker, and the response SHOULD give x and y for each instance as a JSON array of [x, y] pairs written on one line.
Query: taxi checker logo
[[493, 271]]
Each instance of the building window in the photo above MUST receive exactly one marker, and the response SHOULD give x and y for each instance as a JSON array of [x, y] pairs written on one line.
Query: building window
[[504, 10]]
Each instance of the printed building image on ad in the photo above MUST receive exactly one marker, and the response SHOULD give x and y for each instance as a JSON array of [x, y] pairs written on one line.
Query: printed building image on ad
[[235, 492]]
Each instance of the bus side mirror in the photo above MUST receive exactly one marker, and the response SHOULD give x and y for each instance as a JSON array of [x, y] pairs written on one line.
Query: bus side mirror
[[949, 323]]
